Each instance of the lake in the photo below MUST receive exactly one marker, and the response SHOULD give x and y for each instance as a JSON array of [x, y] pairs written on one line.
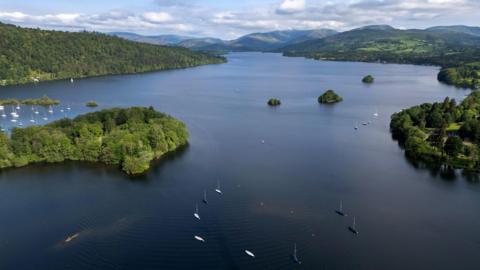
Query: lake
[[276, 193]]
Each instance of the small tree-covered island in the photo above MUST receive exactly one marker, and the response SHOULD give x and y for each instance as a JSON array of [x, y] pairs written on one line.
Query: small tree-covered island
[[368, 79], [329, 97], [274, 102], [129, 138], [441, 133]]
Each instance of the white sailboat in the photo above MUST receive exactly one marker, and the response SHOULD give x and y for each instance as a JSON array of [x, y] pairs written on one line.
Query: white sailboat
[[218, 190], [196, 214], [205, 197], [352, 228], [199, 238], [376, 113], [249, 253], [71, 80], [50, 110], [294, 256], [2, 107], [340, 210]]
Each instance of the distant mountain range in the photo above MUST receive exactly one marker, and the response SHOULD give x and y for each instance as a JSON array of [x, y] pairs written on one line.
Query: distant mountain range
[[252, 42], [322, 40], [157, 40]]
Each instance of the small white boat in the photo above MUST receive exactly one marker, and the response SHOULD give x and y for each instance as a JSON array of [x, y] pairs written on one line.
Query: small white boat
[[352, 228], [4, 115], [249, 253], [50, 110], [2, 107], [13, 120], [199, 238], [70, 238], [36, 112], [196, 215], [218, 190], [71, 80], [20, 123], [32, 120], [68, 108], [45, 118], [61, 110], [376, 113], [18, 107], [205, 197], [294, 256]]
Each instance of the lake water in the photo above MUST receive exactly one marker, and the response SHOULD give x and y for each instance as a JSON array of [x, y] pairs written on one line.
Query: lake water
[[275, 194]]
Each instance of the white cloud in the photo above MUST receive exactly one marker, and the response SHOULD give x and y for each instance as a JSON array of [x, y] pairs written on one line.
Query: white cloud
[[188, 17], [291, 6], [157, 17]]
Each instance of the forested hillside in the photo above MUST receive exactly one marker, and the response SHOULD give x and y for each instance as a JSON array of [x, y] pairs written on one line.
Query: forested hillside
[[454, 49], [28, 55]]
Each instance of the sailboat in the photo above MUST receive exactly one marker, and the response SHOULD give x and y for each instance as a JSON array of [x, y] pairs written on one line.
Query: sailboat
[[294, 256], [50, 110], [376, 113], [249, 253], [199, 238], [218, 190], [68, 108], [352, 228], [32, 120], [18, 107], [356, 126], [4, 115], [196, 215], [205, 197], [2, 107], [340, 210], [71, 80]]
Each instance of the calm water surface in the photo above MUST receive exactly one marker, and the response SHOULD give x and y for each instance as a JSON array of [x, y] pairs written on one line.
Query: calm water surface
[[275, 194]]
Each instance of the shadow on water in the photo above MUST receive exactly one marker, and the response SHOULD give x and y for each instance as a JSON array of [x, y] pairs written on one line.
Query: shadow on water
[[98, 168], [444, 172], [157, 165]]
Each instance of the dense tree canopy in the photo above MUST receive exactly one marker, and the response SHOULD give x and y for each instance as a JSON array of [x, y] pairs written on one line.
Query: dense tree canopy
[[443, 132], [30, 55], [368, 79], [466, 76], [274, 102], [329, 97], [129, 138]]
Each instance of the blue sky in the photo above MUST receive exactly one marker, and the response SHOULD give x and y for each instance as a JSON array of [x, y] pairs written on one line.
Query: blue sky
[[230, 19]]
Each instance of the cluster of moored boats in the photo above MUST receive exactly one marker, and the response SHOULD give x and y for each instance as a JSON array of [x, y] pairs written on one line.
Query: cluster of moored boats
[[249, 253], [340, 212], [13, 114], [366, 123]]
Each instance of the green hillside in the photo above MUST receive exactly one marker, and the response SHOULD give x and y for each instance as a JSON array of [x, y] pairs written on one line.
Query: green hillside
[[28, 55], [449, 49]]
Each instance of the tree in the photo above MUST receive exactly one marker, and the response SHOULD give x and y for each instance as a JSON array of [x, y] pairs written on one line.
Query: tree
[[453, 146]]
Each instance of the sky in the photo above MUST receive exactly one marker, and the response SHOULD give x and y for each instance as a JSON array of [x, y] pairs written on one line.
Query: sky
[[231, 19]]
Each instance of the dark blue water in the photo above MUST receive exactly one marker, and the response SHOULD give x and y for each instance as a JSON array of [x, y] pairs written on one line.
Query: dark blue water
[[275, 194]]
